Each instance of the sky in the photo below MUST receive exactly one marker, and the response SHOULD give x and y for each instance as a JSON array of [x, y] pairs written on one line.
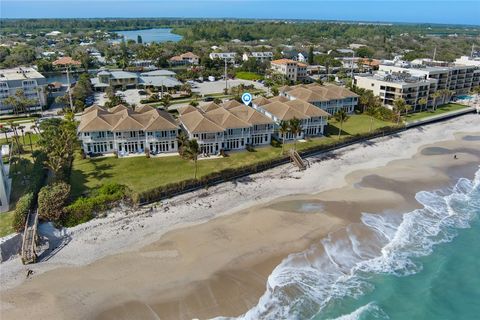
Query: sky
[[413, 11]]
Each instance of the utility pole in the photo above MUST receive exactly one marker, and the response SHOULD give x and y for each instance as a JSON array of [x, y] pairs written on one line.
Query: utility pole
[[226, 83], [473, 50], [353, 59], [434, 53]]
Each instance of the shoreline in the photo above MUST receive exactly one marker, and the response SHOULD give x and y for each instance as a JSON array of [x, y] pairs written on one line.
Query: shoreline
[[91, 241]]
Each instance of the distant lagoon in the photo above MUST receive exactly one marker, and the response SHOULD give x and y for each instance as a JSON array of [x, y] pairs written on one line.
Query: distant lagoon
[[151, 35]]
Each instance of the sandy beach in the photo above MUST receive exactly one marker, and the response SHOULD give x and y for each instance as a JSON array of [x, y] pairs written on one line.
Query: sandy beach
[[209, 253]]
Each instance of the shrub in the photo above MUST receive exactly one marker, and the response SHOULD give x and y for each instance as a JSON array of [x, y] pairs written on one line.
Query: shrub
[[51, 201], [84, 208], [24, 204]]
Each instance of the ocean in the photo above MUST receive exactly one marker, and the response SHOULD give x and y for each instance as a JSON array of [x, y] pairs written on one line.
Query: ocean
[[423, 264]]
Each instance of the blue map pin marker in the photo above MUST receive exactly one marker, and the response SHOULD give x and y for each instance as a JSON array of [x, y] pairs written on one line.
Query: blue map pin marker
[[246, 98]]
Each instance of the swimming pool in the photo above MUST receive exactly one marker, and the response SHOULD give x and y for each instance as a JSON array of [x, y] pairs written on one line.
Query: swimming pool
[[464, 97]]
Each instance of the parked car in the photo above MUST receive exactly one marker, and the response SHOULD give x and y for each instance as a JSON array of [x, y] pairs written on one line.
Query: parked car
[[208, 99], [142, 92]]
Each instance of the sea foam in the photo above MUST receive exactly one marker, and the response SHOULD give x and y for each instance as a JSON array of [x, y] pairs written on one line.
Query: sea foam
[[339, 266]]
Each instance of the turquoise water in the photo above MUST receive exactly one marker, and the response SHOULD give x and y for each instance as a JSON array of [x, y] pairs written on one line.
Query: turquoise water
[[464, 97], [151, 35], [422, 265]]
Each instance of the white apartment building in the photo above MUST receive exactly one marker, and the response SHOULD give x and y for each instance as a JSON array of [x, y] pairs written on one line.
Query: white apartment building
[[330, 98], [184, 59], [125, 131], [292, 70], [259, 56], [229, 56], [216, 128], [468, 61], [391, 86], [29, 80]]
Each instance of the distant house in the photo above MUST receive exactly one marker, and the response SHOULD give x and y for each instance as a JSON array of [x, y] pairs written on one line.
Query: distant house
[[184, 59], [144, 64], [295, 55], [259, 56], [130, 80], [125, 131], [229, 56], [292, 70], [53, 33]]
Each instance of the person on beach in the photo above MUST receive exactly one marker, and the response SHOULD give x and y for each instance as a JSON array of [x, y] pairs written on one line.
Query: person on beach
[[455, 157]]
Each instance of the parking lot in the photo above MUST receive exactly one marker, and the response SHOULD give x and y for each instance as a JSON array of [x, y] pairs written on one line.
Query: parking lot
[[210, 87], [131, 96]]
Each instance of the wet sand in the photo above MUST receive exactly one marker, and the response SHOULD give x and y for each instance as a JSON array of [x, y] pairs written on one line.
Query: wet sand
[[220, 268]]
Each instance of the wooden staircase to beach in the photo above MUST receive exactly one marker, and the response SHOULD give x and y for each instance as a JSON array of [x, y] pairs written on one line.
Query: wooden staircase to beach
[[30, 237], [297, 160]]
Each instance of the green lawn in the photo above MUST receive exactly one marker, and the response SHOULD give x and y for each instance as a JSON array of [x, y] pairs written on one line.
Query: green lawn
[[248, 75], [5, 121], [441, 109], [6, 219], [141, 173]]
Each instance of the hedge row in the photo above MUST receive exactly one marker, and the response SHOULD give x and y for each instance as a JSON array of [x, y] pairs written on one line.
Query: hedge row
[[28, 200], [85, 208], [172, 189]]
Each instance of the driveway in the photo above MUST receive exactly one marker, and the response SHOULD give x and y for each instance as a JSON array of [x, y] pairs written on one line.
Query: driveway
[[210, 87]]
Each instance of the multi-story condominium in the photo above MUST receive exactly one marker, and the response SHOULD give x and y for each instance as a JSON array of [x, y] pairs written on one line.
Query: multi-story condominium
[[259, 56], [29, 80], [292, 70], [229, 56], [216, 128], [392, 86], [458, 78], [184, 58], [125, 131], [330, 98], [313, 119]]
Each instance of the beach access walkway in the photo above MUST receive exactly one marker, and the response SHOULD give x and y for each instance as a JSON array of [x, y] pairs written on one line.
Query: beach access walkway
[[30, 237]]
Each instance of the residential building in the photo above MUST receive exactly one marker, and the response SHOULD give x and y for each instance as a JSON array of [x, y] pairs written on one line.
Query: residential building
[[295, 55], [259, 56], [184, 59], [144, 64], [29, 80], [229, 56], [292, 70], [330, 98], [125, 131], [216, 128], [130, 80], [468, 61], [392, 86], [313, 119], [6, 183]]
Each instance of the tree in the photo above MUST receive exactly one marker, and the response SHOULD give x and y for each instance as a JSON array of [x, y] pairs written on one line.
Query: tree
[[191, 152], [364, 52], [51, 201], [341, 116], [182, 140], [295, 128], [166, 101], [435, 96], [310, 55], [29, 134], [399, 105], [283, 129], [19, 102], [423, 103], [139, 39], [372, 111], [5, 131]]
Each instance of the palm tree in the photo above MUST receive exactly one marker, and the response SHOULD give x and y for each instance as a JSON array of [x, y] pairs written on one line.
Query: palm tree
[[166, 101], [435, 96], [22, 131], [295, 128], [283, 129], [422, 102], [372, 111], [34, 128], [341, 116], [182, 140], [399, 106], [191, 152], [5, 130], [30, 138]]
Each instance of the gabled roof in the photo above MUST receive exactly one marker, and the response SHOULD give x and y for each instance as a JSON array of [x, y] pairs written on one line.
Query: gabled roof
[[307, 108], [161, 120], [186, 109], [209, 107], [283, 111], [250, 115], [226, 119], [197, 122], [118, 108], [279, 98], [143, 109], [261, 101], [315, 92], [231, 104]]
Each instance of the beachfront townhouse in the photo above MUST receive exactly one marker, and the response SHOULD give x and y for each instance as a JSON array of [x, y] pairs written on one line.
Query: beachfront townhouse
[[330, 98], [292, 70], [216, 128], [31, 82], [313, 119], [125, 131]]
